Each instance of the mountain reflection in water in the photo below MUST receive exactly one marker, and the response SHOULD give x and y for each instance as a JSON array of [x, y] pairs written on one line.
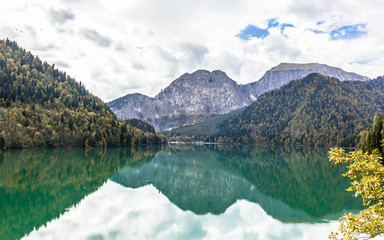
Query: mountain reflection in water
[[290, 184], [193, 192]]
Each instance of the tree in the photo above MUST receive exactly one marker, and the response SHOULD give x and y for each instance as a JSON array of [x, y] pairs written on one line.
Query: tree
[[367, 174], [44, 107], [2, 143], [374, 136]]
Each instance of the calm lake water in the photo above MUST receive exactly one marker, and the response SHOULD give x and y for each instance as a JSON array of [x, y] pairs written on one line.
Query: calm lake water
[[172, 192]]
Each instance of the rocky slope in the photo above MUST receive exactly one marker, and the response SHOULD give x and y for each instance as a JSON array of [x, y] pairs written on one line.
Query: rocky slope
[[189, 99], [285, 72], [193, 98]]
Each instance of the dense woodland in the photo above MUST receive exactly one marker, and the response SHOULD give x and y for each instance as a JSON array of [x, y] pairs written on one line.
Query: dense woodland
[[143, 126], [315, 110], [41, 106], [371, 140], [201, 131]]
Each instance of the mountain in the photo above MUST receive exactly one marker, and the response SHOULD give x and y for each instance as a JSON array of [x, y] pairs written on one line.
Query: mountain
[[314, 110], [285, 72], [193, 98], [41, 106], [189, 99]]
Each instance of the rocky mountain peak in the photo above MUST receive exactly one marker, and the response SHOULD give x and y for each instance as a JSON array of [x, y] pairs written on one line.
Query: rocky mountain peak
[[292, 66], [283, 73], [202, 76], [307, 68], [194, 97], [190, 99]]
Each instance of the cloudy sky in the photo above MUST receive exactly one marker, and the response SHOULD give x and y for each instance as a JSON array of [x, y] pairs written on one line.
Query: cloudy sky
[[120, 47]]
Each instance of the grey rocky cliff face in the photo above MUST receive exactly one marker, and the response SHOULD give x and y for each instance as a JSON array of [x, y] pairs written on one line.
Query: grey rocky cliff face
[[192, 98], [286, 72]]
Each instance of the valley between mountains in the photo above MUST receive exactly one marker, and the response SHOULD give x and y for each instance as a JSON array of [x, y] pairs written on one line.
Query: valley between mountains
[[299, 104], [196, 97]]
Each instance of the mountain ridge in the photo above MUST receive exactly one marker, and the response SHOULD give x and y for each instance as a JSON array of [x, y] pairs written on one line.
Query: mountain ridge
[[41, 106], [187, 100], [314, 110], [283, 73], [195, 97]]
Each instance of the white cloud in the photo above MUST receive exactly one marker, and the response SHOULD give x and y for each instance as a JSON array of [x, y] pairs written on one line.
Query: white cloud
[[117, 47], [61, 16], [96, 37]]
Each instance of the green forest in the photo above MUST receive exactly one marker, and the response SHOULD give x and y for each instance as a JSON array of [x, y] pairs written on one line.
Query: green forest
[[371, 140], [41, 106], [201, 131], [315, 110]]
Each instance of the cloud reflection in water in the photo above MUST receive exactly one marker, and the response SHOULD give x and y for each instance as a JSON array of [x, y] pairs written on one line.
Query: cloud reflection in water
[[117, 212]]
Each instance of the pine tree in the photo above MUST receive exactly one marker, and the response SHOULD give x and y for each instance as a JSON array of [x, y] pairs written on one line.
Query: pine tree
[[374, 137], [2, 143]]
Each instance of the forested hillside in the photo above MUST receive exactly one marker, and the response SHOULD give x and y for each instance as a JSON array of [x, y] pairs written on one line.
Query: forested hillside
[[314, 110], [41, 106], [143, 126], [201, 131], [371, 140]]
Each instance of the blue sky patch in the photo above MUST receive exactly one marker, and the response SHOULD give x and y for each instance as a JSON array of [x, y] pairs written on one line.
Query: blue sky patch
[[348, 32], [272, 23], [317, 31], [284, 25], [252, 31], [370, 57], [362, 61]]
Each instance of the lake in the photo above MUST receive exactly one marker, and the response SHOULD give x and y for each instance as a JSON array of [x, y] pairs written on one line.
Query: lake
[[172, 192]]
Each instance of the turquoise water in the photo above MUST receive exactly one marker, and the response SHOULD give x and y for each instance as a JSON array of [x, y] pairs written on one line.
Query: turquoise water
[[172, 192]]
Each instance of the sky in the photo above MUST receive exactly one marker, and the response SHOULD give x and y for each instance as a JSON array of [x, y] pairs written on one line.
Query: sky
[[119, 47]]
